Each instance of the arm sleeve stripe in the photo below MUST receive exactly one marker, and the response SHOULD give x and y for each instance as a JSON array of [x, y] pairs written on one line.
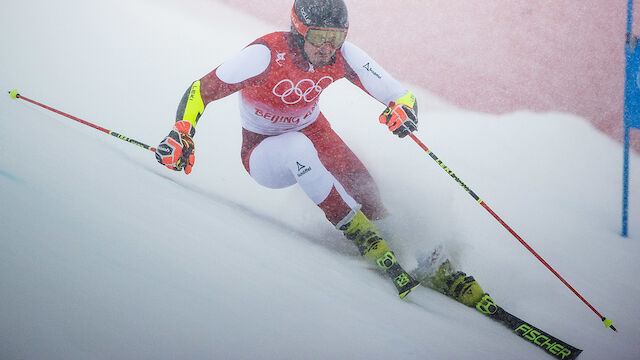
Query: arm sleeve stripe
[[191, 106], [251, 61], [374, 79]]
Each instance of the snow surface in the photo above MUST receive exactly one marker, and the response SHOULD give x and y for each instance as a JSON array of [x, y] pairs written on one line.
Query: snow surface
[[104, 254]]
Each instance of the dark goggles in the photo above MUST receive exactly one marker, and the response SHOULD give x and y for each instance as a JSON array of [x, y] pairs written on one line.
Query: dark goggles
[[318, 37]]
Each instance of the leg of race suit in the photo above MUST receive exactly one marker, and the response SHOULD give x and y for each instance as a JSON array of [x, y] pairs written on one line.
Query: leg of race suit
[[338, 158], [283, 160]]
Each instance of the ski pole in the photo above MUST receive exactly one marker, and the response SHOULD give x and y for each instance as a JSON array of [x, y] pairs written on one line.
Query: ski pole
[[15, 95], [607, 322]]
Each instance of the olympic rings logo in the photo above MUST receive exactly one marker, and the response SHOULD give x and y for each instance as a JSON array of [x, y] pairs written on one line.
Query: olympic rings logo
[[305, 89]]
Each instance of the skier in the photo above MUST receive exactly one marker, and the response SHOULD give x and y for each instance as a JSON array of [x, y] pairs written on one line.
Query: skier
[[285, 137]]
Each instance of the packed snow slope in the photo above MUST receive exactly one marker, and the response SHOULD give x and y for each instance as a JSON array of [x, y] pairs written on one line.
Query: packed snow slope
[[104, 254]]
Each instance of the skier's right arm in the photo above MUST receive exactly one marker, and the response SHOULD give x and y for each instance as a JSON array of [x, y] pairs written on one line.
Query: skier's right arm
[[249, 67]]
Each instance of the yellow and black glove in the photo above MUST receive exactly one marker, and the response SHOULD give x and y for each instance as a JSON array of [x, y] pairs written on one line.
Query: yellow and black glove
[[401, 117]]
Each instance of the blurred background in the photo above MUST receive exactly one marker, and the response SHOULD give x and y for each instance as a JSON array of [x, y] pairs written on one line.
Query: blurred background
[[496, 56], [104, 254]]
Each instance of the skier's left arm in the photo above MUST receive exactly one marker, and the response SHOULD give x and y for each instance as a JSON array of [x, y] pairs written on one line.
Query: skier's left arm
[[401, 114]]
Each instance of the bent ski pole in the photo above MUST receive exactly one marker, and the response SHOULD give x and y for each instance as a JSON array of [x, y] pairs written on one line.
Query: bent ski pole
[[607, 322], [15, 95]]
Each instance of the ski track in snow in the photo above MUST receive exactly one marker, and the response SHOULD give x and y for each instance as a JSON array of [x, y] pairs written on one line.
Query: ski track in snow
[[104, 254]]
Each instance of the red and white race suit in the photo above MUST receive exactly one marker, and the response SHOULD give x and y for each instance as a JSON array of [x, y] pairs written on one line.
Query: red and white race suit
[[286, 139]]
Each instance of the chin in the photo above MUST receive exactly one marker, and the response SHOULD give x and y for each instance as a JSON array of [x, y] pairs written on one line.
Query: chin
[[320, 62]]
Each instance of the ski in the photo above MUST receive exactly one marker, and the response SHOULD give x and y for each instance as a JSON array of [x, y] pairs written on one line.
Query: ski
[[543, 340], [436, 272]]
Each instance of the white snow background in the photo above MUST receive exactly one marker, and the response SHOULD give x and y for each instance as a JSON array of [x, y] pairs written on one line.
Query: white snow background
[[104, 254]]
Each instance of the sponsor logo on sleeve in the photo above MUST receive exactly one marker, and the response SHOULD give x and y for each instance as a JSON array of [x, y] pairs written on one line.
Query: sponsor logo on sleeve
[[302, 169], [371, 70]]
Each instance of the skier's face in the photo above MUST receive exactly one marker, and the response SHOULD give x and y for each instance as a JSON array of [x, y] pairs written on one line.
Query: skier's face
[[319, 55]]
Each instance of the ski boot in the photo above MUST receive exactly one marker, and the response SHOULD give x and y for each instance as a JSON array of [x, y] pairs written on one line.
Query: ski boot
[[366, 237], [437, 272], [458, 285]]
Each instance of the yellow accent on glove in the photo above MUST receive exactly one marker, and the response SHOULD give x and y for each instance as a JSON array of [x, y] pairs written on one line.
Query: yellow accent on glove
[[407, 99]]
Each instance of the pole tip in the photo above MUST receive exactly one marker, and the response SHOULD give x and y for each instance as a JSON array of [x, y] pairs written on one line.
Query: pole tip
[[14, 94], [608, 324]]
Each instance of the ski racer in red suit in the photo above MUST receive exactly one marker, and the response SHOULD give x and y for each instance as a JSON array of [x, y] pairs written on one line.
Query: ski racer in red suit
[[286, 138]]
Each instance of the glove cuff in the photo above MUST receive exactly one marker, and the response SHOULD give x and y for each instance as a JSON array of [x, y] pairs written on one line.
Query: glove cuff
[[407, 99], [190, 108]]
